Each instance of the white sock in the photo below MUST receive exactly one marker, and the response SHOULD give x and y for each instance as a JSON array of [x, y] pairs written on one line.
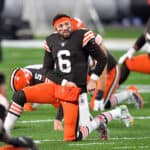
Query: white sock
[[9, 122], [95, 123], [123, 96], [115, 113], [84, 112]]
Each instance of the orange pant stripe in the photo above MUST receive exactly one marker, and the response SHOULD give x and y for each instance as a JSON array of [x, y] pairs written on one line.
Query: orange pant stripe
[[112, 83]]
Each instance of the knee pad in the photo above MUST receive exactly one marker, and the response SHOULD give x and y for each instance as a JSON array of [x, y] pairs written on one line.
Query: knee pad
[[19, 98]]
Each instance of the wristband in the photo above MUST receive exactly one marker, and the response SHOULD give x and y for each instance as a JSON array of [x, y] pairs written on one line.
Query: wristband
[[94, 77], [99, 94]]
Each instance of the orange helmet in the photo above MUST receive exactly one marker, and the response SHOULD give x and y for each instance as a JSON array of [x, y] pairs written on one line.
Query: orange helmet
[[77, 24], [20, 78]]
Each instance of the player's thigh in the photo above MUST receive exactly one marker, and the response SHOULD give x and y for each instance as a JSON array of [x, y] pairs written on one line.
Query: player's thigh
[[40, 93]]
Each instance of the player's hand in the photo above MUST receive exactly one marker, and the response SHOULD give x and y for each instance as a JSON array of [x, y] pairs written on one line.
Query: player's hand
[[99, 105], [58, 125], [99, 101], [129, 55], [91, 86]]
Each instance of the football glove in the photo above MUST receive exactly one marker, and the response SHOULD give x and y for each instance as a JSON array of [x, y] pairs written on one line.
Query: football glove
[[99, 101], [99, 105], [129, 55]]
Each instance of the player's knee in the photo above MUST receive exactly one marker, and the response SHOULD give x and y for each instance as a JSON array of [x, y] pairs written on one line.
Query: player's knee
[[19, 98]]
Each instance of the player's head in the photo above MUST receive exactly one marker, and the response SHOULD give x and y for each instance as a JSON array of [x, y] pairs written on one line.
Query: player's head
[[20, 78], [62, 24], [77, 24]]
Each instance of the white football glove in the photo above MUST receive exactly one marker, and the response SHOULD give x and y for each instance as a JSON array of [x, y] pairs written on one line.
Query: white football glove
[[99, 105], [129, 55]]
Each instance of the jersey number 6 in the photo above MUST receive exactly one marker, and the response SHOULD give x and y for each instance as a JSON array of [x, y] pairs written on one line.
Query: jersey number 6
[[64, 64]]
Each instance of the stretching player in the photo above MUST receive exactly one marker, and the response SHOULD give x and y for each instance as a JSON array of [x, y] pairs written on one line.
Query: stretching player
[[19, 143], [139, 63], [105, 98], [28, 76]]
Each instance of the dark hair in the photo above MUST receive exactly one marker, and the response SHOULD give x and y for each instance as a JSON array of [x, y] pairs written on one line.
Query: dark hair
[[2, 78], [58, 16]]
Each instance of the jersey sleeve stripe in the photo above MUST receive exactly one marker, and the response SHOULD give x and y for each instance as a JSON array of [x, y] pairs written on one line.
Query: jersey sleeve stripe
[[87, 39]]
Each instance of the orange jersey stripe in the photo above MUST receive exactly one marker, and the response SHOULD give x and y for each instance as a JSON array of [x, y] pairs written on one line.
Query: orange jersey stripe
[[87, 37]]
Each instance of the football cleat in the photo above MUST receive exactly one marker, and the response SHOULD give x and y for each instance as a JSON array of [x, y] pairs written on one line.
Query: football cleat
[[126, 116], [136, 97], [102, 129]]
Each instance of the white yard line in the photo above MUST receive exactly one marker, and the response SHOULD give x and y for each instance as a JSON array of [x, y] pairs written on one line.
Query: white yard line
[[35, 121], [90, 144], [132, 147], [51, 120], [142, 118], [96, 143]]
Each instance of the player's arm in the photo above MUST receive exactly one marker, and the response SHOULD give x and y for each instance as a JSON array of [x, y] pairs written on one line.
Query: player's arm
[[48, 63], [97, 54], [140, 42], [137, 46]]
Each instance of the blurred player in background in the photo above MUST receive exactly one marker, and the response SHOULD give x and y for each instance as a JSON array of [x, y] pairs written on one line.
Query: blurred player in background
[[104, 98], [139, 63], [19, 143]]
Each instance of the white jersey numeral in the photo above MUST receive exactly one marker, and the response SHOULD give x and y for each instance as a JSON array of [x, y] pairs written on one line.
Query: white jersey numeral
[[64, 64]]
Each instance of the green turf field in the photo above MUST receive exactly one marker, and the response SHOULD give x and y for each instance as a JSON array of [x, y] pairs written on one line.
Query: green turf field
[[39, 124]]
